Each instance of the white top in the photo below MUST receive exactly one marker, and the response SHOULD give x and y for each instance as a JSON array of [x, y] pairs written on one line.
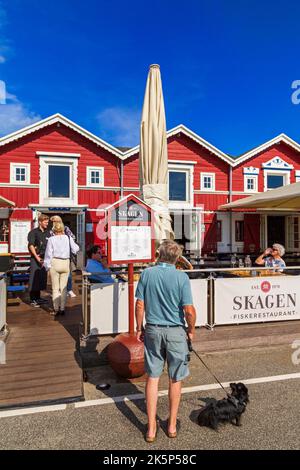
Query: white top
[[58, 246]]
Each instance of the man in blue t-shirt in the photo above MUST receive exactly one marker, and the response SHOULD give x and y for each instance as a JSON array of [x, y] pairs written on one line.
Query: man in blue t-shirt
[[164, 295], [98, 264]]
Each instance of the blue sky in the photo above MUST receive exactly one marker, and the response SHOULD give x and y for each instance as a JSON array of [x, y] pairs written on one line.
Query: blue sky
[[227, 66]]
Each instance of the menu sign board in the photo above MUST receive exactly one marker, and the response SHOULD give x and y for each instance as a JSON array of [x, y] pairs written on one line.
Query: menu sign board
[[19, 230], [130, 211], [130, 231]]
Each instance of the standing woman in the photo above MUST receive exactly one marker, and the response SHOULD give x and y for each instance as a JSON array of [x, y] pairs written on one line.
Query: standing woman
[[68, 231], [57, 260]]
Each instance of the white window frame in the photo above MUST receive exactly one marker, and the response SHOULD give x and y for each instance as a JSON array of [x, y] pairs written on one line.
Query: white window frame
[[237, 247], [285, 173], [297, 176], [290, 244], [213, 180], [89, 170], [224, 245], [13, 167], [47, 161], [255, 185], [189, 170]]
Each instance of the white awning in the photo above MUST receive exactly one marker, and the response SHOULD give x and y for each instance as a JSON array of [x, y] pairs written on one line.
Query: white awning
[[5, 202], [286, 197]]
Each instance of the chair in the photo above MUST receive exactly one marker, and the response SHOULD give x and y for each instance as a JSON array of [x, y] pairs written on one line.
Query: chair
[[21, 278], [15, 290]]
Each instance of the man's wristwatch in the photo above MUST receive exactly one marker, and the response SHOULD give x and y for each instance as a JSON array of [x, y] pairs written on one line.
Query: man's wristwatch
[[139, 329]]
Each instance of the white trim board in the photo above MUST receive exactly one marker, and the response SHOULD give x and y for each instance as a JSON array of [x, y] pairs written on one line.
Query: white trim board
[[60, 119]]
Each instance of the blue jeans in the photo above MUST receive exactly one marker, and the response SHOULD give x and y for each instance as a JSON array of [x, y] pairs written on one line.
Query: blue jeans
[[69, 285]]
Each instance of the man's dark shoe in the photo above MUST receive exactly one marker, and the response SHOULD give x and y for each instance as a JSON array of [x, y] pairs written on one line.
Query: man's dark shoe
[[42, 301], [61, 312]]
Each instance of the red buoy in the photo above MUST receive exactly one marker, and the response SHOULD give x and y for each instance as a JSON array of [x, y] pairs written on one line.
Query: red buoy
[[126, 356]]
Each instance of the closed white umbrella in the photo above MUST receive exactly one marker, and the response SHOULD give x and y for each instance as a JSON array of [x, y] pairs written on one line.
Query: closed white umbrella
[[286, 197], [154, 155]]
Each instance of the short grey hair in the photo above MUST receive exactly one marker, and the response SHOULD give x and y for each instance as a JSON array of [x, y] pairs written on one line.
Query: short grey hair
[[169, 252], [280, 248]]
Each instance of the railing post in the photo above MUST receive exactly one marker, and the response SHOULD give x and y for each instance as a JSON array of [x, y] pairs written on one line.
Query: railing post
[[85, 284], [211, 298]]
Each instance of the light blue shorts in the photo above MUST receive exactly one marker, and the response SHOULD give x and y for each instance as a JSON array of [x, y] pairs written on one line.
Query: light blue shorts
[[166, 344]]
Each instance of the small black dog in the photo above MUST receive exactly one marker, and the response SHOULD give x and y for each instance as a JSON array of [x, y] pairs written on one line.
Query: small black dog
[[227, 410]]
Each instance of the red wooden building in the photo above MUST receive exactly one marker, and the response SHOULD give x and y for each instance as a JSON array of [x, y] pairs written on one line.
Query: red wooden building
[[54, 166]]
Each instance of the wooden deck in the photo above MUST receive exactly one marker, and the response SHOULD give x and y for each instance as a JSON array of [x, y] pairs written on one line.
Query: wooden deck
[[42, 365]]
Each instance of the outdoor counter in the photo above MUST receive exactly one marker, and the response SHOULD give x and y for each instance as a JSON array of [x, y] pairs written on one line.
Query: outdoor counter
[[218, 299]]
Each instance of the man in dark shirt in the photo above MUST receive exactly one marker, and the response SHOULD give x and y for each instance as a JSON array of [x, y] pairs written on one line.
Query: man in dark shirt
[[37, 242]]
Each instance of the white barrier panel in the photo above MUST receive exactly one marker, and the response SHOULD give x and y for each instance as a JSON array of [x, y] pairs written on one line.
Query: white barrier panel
[[2, 303], [255, 300], [199, 292], [109, 306]]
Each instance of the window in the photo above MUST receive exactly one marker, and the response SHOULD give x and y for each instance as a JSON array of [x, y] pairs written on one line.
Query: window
[[297, 176], [59, 181], [239, 230], [293, 242], [296, 232], [219, 230], [250, 184], [277, 173], [275, 181], [95, 176], [207, 181], [20, 173], [4, 231], [180, 180], [177, 186]]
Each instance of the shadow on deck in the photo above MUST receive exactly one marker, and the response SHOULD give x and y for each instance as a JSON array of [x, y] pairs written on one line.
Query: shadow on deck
[[42, 363]]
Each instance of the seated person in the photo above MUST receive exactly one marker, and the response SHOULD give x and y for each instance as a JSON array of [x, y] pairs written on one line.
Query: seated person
[[98, 264], [272, 257]]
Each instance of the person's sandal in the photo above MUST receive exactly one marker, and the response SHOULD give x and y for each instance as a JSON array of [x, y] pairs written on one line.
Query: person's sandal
[[171, 435], [152, 439]]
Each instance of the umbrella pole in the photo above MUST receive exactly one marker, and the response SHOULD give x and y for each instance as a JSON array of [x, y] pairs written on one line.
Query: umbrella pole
[[130, 299]]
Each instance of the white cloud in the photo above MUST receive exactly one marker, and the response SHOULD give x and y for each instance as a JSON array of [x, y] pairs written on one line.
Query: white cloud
[[2, 59], [14, 115], [120, 126]]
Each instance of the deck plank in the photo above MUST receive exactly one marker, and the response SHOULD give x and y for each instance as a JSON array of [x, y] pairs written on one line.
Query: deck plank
[[41, 365]]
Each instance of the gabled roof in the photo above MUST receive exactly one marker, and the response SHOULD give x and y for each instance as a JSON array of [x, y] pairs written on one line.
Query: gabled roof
[[276, 140], [181, 129], [55, 119], [124, 153]]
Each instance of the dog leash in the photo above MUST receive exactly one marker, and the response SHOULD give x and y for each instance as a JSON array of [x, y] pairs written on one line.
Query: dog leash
[[191, 349]]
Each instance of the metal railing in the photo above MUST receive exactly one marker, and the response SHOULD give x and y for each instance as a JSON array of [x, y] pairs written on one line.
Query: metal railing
[[211, 276]]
